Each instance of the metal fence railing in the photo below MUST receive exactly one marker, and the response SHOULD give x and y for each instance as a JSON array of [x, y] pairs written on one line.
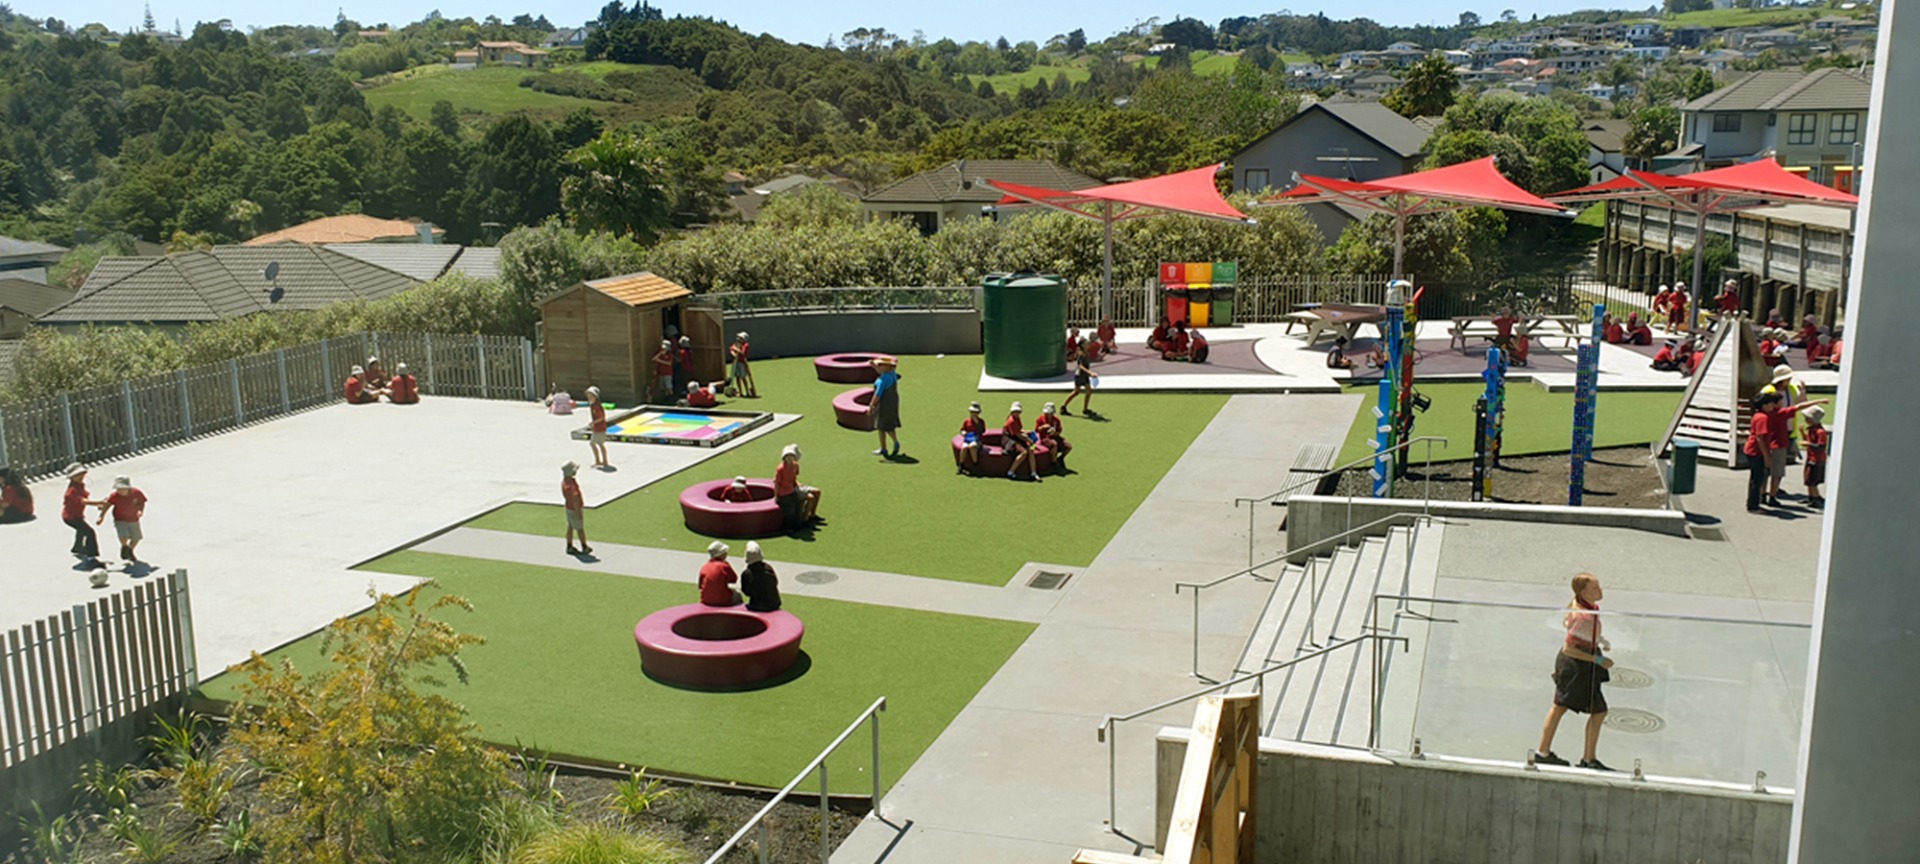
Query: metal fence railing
[[843, 299], [39, 436]]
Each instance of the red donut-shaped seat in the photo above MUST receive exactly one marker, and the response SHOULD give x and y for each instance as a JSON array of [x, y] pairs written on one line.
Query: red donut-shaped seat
[[856, 368], [706, 513], [717, 646], [850, 409], [994, 460]]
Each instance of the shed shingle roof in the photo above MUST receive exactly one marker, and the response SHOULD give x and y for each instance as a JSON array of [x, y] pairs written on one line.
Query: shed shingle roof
[[639, 289], [1821, 90], [958, 181], [227, 282], [30, 298]]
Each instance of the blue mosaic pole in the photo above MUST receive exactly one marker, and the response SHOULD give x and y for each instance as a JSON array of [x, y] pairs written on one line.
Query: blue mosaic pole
[[1495, 400], [1586, 383], [1382, 472], [1392, 384]]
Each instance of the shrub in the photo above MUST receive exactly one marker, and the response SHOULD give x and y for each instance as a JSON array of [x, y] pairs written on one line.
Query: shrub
[[634, 796], [109, 786], [592, 843], [540, 260], [577, 85]]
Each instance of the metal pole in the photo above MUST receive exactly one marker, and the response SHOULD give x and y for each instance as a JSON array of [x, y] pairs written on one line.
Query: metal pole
[[326, 366], [825, 812], [763, 841], [428, 385], [239, 407], [1250, 511], [186, 404], [1699, 270], [526, 368], [1313, 600], [286, 398], [1106, 267], [480, 354], [1196, 631], [66, 426], [1373, 720], [183, 613], [3, 441], [1399, 244], [1113, 809], [133, 426], [875, 716], [83, 656]]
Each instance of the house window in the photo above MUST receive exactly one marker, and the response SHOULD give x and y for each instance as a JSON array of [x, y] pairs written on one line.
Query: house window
[[1845, 129], [1257, 179], [1801, 128], [1726, 122]]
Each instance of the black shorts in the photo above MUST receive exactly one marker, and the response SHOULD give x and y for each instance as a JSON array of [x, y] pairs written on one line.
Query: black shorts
[[1576, 685], [1814, 473], [1082, 379]]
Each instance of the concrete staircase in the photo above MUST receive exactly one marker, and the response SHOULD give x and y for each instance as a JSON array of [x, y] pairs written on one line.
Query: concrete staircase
[[1325, 602]]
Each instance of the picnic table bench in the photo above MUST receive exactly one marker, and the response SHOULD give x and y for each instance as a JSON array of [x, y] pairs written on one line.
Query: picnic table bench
[[1312, 461], [1533, 326], [1340, 319]]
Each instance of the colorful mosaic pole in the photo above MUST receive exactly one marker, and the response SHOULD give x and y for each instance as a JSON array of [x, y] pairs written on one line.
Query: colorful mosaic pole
[[1382, 472], [1586, 383], [1490, 416]]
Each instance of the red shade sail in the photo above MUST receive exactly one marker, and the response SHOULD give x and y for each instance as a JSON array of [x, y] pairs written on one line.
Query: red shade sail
[[1189, 192], [1760, 183]]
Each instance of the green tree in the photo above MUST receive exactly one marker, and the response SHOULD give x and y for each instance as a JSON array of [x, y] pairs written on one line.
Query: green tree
[[515, 178], [1427, 90], [445, 119], [1076, 41], [365, 758], [1652, 132], [538, 260], [618, 187]]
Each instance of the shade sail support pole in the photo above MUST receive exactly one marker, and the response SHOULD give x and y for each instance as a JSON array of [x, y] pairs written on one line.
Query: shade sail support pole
[[1399, 245], [1106, 265], [1699, 271]]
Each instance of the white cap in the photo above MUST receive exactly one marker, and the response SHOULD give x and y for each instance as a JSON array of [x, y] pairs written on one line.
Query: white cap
[[593, 391], [569, 469], [357, 371], [692, 386], [1816, 413], [1016, 408], [686, 340], [753, 553], [790, 450], [1782, 372], [372, 360], [973, 407], [716, 550], [666, 343], [400, 366], [73, 470], [123, 482], [1047, 408], [742, 335], [739, 481]]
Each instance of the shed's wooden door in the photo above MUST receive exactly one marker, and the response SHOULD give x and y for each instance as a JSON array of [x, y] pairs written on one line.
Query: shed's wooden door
[[708, 328]]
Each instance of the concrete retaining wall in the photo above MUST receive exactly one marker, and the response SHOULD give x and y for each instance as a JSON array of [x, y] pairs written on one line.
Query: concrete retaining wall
[[1329, 804], [805, 334], [1312, 518]]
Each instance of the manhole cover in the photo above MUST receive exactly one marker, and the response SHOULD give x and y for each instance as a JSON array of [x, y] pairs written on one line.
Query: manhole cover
[[1634, 720], [817, 577], [1048, 580], [1631, 679], [1701, 532]]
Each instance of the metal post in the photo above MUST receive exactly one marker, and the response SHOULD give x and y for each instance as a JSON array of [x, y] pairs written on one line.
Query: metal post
[[1106, 266], [286, 399], [83, 655], [3, 441], [1250, 511], [480, 354], [1113, 808], [183, 613], [526, 368], [326, 366], [239, 408], [66, 426], [1699, 270], [763, 841], [133, 426], [825, 812], [1373, 721], [875, 717], [428, 386], [1196, 630], [186, 403], [1399, 244], [1313, 600]]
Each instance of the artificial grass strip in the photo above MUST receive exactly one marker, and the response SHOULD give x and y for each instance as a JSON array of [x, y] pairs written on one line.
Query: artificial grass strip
[[914, 515], [560, 672], [1536, 422]]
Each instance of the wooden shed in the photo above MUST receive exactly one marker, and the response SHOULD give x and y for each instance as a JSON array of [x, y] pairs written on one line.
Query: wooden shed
[[605, 332]]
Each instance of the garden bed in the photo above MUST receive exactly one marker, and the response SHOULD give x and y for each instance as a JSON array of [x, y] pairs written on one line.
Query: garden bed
[[1616, 477]]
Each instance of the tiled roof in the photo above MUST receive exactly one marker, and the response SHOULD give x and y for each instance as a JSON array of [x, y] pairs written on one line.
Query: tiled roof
[[32, 299], [480, 262], [12, 248], [1382, 124], [959, 181], [353, 228], [639, 289], [1608, 135], [418, 260], [1821, 90], [113, 269], [227, 282]]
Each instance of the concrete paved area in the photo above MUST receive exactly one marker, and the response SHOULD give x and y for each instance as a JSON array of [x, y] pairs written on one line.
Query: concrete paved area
[[267, 519], [1019, 775]]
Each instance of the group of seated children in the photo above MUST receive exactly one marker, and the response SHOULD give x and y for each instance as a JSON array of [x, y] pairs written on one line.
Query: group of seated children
[[369, 383], [1823, 347], [1177, 342], [1516, 346], [1632, 333], [1094, 348], [1020, 444], [761, 586], [1677, 356]]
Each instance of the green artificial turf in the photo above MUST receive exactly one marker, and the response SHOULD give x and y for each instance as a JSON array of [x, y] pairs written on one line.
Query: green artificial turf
[[1536, 422], [914, 515], [559, 672]]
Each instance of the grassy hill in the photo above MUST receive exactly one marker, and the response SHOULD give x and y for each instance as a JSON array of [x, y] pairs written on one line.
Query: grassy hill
[[1011, 82], [1718, 18], [657, 91]]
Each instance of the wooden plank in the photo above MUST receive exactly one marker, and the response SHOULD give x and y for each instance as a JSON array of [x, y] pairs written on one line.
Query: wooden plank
[[146, 627], [1096, 856], [45, 701], [1189, 797], [12, 692], [71, 701]]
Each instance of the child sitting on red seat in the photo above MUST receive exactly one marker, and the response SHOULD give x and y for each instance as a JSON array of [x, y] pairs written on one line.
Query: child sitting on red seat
[[737, 492], [1048, 428], [1178, 345], [1015, 442], [970, 431]]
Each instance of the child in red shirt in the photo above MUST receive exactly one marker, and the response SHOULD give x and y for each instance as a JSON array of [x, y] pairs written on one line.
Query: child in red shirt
[[970, 431], [663, 370], [16, 500], [717, 578], [1612, 332], [1161, 333], [1014, 440], [1730, 299], [358, 391], [403, 389], [1073, 343], [576, 509], [1517, 347], [1048, 427], [1664, 359], [1677, 310], [737, 492], [73, 511], [1107, 335], [1177, 345], [699, 396], [597, 429], [1820, 352], [1815, 437], [127, 505]]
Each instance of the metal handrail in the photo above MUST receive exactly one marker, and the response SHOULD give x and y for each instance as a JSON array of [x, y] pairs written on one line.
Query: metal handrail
[[1290, 557], [819, 762], [1426, 493], [1620, 613], [1107, 730]]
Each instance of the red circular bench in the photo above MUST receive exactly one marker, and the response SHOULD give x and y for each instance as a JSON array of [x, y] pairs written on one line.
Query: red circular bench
[[850, 409], [705, 512], [854, 368], [994, 460], [717, 646]]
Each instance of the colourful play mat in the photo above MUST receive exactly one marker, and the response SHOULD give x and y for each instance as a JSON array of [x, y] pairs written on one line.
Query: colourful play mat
[[685, 426]]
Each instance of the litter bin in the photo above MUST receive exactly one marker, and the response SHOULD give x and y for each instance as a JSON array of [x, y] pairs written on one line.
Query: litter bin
[[1222, 303], [1686, 463], [1225, 271], [1176, 303], [1199, 305]]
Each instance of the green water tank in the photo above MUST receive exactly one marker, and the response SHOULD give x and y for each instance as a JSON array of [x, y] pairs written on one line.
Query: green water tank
[[1024, 325]]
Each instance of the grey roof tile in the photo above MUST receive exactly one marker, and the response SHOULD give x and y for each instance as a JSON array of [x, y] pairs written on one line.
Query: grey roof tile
[[419, 260], [12, 248], [30, 298], [480, 262], [1821, 90], [958, 181], [228, 282]]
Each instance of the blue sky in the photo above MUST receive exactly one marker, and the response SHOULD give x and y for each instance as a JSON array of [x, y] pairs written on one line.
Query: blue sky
[[795, 21]]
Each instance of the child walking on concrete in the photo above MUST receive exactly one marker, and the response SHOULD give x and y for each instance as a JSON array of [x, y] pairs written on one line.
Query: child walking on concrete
[[576, 509], [1578, 671], [597, 432]]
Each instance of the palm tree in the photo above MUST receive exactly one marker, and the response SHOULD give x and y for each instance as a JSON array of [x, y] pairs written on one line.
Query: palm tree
[[620, 187]]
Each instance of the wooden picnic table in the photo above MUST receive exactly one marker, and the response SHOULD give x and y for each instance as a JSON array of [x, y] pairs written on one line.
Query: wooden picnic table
[[1468, 326], [1341, 319]]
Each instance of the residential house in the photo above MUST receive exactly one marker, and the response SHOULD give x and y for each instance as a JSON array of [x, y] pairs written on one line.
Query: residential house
[[1457, 57], [1472, 76], [512, 54], [466, 59], [1756, 39], [1808, 122], [1648, 53], [23, 300], [1642, 33], [353, 228], [1720, 60], [1350, 59], [1690, 36], [1606, 149], [1585, 58], [954, 192], [748, 201], [568, 37], [1372, 85], [367, 35], [1404, 47], [173, 291], [1343, 140], [423, 262], [28, 259], [1494, 52]]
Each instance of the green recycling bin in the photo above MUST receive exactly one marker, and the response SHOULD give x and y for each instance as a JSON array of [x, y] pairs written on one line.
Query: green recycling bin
[[1226, 271], [1023, 325], [1222, 303], [1686, 464]]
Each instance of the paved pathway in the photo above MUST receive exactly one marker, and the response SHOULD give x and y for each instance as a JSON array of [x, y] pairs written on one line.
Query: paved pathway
[[267, 519], [1018, 775]]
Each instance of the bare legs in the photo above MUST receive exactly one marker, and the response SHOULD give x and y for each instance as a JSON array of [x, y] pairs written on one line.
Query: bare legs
[[1592, 742]]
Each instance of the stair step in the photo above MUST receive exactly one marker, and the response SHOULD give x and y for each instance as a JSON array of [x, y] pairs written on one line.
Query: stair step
[[1280, 599]]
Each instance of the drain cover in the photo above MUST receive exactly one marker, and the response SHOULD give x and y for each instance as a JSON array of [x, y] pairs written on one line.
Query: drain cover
[[1634, 720], [817, 577], [1629, 679], [1048, 580], [1701, 532]]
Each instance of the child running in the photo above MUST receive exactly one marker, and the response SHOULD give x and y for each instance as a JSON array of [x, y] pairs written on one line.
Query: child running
[[73, 511], [576, 509]]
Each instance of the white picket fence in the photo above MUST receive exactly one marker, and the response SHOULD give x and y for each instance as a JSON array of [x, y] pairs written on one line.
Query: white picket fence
[[39, 436]]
